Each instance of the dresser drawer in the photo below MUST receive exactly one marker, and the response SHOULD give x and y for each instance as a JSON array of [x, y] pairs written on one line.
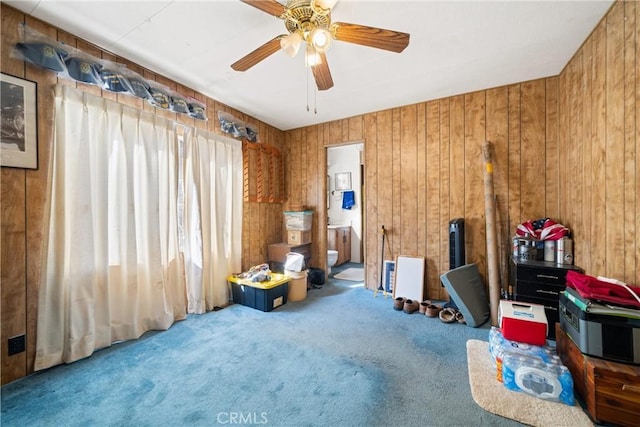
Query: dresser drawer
[[552, 276], [538, 290], [541, 271]]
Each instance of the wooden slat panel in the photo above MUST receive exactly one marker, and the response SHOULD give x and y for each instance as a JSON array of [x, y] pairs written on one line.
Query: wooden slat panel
[[319, 248], [497, 133], [457, 166], [631, 80], [11, 19], [13, 269], [433, 198], [384, 169], [551, 148], [355, 128], [344, 124], [572, 165], [372, 185], [474, 207], [444, 202], [567, 190], [614, 160], [396, 184], [636, 281], [303, 167], [532, 124], [13, 257], [515, 212], [408, 173], [597, 231], [335, 132], [581, 252], [296, 179], [422, 179], [312, 181]]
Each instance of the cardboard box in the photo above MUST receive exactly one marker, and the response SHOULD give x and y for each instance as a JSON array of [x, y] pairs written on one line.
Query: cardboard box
[[263, 296], [523, 322], [278, 252], [300, 221], [295, 237]]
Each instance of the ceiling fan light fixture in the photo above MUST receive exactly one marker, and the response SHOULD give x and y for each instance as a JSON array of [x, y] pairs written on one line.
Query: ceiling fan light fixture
[[320, 39], [291, 44], [323, 7], [312, 57]]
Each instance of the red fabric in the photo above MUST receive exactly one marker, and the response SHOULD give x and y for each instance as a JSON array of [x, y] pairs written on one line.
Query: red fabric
[[591, 288], [550, 230]]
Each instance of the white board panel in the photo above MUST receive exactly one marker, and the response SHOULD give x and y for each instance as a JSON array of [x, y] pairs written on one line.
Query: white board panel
[[409, 278]]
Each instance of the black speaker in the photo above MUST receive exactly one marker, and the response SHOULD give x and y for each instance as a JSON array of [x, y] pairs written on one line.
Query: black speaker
[[456, 250], [456, 243]]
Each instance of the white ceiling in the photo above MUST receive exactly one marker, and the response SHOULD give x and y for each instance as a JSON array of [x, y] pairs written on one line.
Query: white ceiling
[[456, 47]]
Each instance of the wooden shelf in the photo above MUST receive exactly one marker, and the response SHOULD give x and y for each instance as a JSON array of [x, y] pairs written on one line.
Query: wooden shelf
[[263, 173]]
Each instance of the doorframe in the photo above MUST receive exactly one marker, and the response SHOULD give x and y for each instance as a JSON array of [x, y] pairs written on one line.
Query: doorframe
[[361, 171]]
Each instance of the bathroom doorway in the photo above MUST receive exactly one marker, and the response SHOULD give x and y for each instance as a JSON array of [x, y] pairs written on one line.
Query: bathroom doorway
[[345, 204]]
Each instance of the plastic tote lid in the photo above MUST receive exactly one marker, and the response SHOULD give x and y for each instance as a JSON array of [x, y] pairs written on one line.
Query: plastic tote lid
[[43, 54]]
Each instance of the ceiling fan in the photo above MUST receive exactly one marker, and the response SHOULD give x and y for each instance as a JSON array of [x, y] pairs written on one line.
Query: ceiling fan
[[309, 24]]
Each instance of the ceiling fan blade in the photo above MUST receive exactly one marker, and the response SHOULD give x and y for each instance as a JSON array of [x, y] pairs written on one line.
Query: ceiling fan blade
[[322, 74], [380, 38], [272, 7], [261, 53]]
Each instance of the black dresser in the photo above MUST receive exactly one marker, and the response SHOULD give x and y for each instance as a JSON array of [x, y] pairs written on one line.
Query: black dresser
[[540, 282]]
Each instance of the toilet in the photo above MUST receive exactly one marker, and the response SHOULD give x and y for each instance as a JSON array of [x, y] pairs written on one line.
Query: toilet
[[332, 258]]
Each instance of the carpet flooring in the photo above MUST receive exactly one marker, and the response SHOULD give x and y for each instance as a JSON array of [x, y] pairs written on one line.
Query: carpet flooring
[[495, 398], [341, 357]]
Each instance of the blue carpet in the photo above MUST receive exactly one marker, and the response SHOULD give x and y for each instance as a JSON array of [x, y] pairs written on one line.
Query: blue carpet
[[338, 358]]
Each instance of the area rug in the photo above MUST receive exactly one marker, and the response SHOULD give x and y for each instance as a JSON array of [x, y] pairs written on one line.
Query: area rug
[[493, 397], [353, 274]]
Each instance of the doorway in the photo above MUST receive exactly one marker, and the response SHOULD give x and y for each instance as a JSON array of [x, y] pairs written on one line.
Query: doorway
[[345, 204]]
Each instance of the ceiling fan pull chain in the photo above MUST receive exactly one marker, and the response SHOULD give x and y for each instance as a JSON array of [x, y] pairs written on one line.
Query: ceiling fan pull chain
[[315, 100], [307, 89]]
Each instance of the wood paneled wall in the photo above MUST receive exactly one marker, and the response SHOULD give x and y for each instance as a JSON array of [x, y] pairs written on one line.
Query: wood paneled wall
[[24, 192], [424, 167], [566, 147], [600, 146]]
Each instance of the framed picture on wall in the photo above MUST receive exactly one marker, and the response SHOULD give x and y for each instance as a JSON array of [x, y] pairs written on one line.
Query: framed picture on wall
[[343, 181], [19, 141]]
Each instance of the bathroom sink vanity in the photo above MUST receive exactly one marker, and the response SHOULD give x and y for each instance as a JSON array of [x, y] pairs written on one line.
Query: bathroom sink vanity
[[339, 239]]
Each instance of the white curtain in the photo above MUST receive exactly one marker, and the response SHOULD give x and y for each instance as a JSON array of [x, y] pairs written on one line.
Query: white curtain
[[112, 269], [213, 217]]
